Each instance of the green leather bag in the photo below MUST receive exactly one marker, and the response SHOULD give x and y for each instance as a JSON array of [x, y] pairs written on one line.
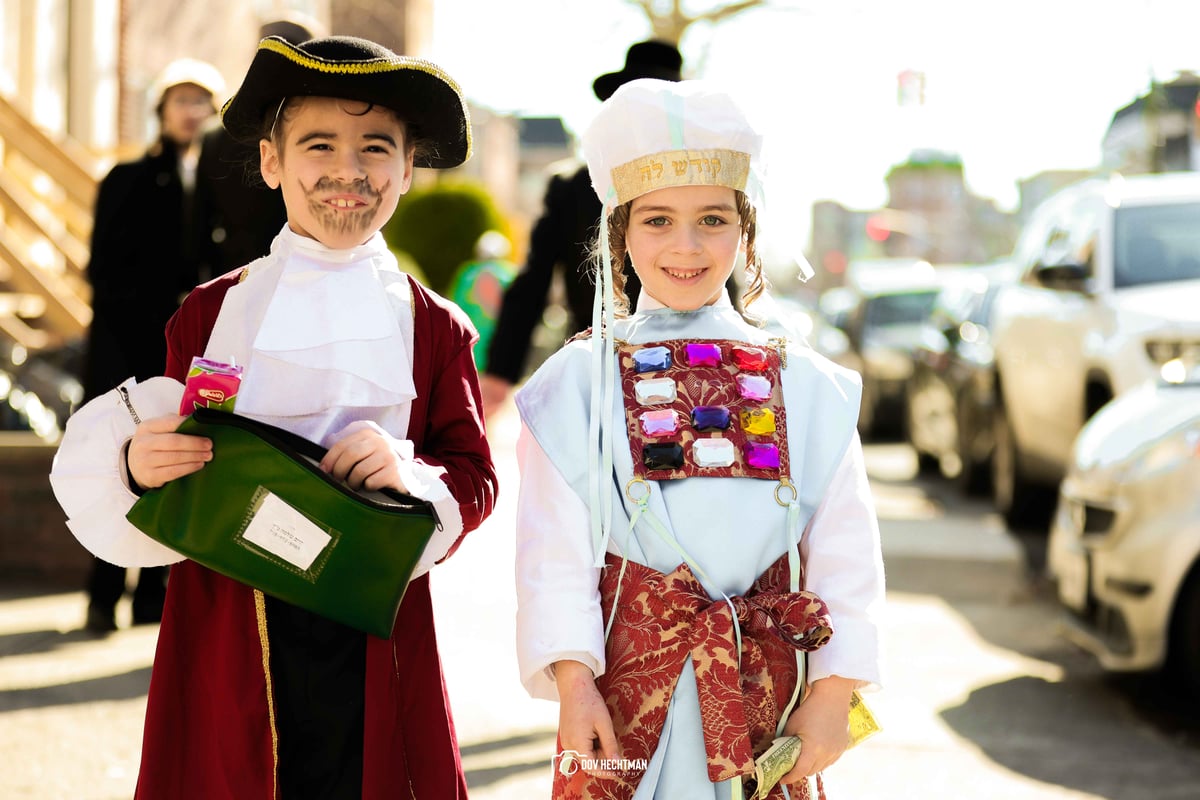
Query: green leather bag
[[262, 512]]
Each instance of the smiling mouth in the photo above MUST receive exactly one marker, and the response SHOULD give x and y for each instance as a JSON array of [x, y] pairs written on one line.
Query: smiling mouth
[[343, 202], [683, 274]]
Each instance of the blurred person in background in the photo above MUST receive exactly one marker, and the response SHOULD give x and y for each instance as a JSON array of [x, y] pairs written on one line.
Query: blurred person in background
[[237, 215], [478, 288], [142, 265], [560, 241]]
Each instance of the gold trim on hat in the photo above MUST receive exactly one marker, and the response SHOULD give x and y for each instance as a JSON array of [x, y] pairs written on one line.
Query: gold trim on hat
[[367, 67], [717, 167]]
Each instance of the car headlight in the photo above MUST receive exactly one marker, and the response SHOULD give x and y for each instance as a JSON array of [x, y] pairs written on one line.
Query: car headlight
[[1161, 351]]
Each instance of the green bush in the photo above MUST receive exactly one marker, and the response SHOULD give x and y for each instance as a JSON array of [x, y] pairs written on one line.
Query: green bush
[[438, 225]]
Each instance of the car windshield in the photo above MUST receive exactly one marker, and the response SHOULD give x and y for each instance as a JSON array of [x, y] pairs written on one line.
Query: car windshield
[[899, 309], [1156, 244]]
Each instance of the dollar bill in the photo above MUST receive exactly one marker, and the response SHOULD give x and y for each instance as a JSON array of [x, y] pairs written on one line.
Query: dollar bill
[[772, 765], [780, 757], [862, 722]]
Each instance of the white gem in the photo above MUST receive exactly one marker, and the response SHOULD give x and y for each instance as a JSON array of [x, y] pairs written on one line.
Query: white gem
[[713, 452], [655, 391]]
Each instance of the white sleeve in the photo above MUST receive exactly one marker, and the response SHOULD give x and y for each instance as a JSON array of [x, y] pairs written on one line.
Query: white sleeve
[[558, 594], [425, 481], [88, 472], [843, 565]]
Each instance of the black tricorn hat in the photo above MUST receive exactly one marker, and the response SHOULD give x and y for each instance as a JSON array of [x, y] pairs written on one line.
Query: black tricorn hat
[[355, 69], [650, 59]]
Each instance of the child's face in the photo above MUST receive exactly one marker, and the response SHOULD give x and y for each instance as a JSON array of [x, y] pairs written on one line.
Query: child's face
[[341, 170], [684, 241]]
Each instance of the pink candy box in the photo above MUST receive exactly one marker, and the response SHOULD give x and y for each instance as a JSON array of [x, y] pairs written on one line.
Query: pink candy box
[[210, 384]]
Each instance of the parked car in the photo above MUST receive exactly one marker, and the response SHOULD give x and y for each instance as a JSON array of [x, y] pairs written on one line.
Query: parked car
[[880, 309], [1109, 291], [798, 319], [1124, 545], [39, 391], [951, 389]]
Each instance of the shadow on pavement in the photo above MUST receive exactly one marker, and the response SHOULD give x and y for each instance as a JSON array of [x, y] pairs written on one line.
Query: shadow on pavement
[[1070, 743], [533, 737], [542, 741], [486, 776], [124, 686], [46, 641]]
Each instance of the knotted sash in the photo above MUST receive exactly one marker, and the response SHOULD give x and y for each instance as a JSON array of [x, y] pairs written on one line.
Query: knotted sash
[[663, 619]]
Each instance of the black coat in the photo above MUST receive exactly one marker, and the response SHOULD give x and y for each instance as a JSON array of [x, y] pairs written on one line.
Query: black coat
[[561, 240], [238, 215], [140, 268]]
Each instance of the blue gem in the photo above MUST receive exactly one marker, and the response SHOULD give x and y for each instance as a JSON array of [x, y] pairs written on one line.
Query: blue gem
[[652, 359]]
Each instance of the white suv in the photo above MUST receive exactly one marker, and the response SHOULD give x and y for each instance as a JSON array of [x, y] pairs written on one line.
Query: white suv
[[1109, 291]]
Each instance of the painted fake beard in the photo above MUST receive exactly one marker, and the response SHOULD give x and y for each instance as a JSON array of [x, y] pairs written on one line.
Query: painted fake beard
[[345, 221]]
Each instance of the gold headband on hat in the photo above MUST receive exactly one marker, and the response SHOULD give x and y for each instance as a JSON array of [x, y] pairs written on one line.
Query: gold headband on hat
[[715, 167]]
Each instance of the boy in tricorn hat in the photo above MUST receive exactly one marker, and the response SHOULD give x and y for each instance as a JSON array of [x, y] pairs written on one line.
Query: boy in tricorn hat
[[249, 696]]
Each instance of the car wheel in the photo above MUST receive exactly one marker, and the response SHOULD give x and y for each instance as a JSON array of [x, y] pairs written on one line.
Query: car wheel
[[975, 474], [1022, 504], [866, 412], [1183, 646], [927, 463]]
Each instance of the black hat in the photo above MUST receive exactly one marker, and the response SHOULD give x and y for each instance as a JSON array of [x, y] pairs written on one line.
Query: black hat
[[651, 59], [355, 69]]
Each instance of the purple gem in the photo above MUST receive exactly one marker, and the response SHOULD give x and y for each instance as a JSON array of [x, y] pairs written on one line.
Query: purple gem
[[662, 422], [762, 456], [668, 455], [703, 355], [754, 387], [652, 359], [710, 418]]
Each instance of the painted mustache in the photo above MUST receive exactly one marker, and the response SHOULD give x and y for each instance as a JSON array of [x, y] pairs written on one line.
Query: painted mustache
[[353, 221]]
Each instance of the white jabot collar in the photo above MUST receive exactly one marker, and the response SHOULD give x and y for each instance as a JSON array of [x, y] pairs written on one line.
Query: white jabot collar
[[331, 334], [647, 303]]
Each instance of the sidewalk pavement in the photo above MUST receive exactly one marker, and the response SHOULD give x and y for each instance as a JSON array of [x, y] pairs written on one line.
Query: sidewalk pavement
[[71, 705]]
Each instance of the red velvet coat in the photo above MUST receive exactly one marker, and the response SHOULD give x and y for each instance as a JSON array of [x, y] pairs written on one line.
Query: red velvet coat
[[209, 732]]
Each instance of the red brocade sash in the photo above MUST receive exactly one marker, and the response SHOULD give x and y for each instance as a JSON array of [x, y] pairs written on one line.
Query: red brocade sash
[[663, 619]]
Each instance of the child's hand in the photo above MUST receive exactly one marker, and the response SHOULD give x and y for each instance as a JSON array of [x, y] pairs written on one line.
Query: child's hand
[[158, 454], [583, 719], [364, 455], [822, 721]]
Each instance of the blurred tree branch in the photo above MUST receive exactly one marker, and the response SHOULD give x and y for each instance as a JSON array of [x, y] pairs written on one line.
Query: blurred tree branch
[[669, 21]]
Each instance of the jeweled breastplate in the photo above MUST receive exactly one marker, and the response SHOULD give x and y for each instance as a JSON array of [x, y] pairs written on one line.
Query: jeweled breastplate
[[705, 408]]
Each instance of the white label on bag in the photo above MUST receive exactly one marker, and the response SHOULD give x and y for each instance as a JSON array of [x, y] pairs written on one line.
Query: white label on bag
[[283, 531]]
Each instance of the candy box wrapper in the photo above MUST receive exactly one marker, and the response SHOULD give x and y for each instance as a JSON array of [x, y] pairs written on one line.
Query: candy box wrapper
[[210, 384]]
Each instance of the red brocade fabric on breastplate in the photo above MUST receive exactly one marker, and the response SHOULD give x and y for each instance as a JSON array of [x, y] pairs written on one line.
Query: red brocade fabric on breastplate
[[704, 407], [663, 619]]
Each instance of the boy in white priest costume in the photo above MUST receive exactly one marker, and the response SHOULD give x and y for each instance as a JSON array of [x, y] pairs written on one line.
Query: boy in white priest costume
[[698, 564], [251, 696]]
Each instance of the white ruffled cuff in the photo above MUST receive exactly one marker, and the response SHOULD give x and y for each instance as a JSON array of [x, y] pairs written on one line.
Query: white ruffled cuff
[[88, 473]]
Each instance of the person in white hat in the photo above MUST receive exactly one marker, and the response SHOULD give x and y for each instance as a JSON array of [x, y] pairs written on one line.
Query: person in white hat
[[139, 269], [251, 696], [699, 568]]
